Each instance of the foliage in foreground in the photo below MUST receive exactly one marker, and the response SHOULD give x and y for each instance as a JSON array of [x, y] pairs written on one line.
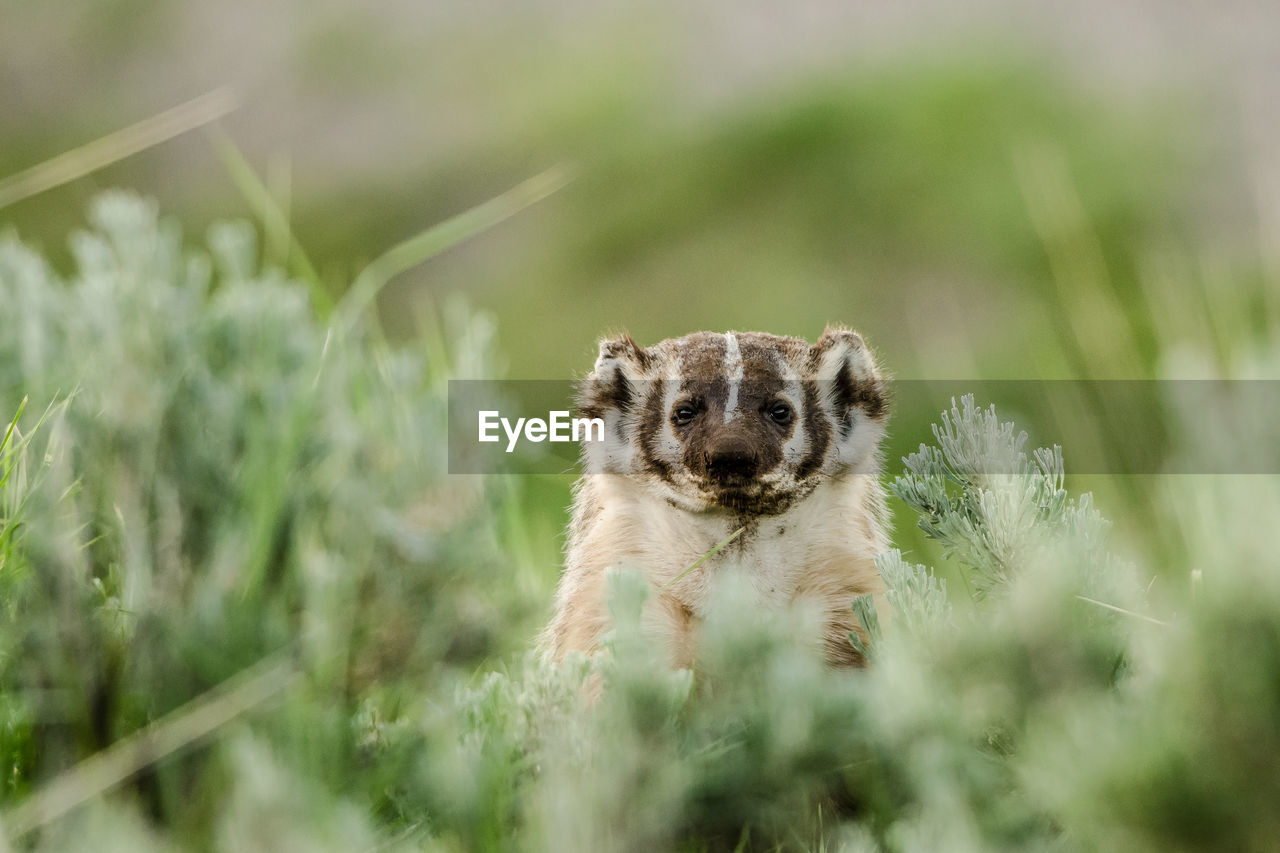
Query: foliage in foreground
[[205, 480]]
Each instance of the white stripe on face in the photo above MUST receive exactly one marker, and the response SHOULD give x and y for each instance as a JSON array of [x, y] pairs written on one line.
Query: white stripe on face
[[733, 372]]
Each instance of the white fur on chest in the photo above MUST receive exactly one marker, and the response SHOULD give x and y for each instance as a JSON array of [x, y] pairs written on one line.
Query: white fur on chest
[[776, 554]]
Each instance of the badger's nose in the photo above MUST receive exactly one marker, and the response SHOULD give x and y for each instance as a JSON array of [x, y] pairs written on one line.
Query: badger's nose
[[730, 462]]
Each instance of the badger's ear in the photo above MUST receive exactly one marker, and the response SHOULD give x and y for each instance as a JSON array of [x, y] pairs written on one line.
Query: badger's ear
[[611, 384], [844, 366]]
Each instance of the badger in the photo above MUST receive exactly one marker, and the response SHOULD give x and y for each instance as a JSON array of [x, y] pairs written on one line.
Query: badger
[[713, 434]]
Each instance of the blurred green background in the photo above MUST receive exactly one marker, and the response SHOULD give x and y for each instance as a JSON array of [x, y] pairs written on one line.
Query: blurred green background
[[226, 490], [1000, 191]]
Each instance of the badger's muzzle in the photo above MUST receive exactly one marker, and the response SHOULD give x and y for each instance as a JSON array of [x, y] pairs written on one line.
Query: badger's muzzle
[[731, 462]]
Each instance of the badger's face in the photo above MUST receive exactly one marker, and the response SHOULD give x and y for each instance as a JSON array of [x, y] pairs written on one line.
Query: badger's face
[[747, 422]]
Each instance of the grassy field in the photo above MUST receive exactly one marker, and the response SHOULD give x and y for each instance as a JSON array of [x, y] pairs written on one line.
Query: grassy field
[[245, 607]]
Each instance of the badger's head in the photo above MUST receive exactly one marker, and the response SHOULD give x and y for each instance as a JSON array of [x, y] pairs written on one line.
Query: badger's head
[[747, 422]]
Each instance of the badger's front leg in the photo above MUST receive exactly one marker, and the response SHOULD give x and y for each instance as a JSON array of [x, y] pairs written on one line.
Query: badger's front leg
[[582, 619]]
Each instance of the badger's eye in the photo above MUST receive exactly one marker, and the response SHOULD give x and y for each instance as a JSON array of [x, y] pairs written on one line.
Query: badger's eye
[[780, 413], [683, 414]]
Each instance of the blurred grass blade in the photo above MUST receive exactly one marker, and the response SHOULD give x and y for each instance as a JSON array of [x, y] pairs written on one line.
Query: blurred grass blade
[[1141, 616], [444, 235], [9, 449], [5, 451], [277, 236], [698, 562], [102, 152], [274, 219], [4, 442], [191, 722], [1092, 316]]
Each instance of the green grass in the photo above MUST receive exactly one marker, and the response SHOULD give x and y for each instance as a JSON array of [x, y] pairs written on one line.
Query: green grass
[[214, 450]]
